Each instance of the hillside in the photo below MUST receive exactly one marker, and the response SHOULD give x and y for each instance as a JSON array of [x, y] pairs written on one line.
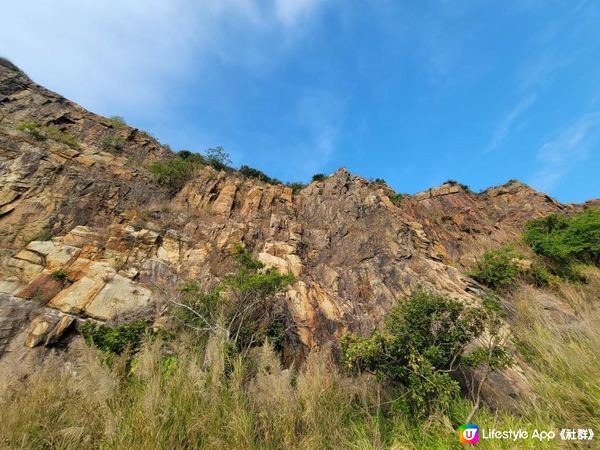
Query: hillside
[[87, 232]]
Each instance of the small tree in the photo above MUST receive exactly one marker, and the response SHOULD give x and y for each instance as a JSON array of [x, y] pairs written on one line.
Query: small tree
[[218, 158], [423, 340], [243, 308]]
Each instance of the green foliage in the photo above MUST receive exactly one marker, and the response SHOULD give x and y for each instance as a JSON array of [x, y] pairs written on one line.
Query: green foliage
[[244, 305], [296, 187], [54, 133], [59, 275], [218, 158], [423, 340], [41, 133], [566, 241], [201, 308], [114, 340], [540, 276], [498, 269], [33, 129], [175, 172], [395, 198], [464, 187], [319, 177], [192, 157], [113, 144], [255, 173]]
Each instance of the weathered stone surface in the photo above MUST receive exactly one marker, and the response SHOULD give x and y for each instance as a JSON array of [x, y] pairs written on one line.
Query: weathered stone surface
[[224, 201], [56, 254], [76, 297], [118, 296], [39, 329]]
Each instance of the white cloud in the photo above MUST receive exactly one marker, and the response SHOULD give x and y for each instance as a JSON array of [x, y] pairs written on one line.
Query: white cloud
[[290, 11], [118, 56], [566, 150], [508, 121]]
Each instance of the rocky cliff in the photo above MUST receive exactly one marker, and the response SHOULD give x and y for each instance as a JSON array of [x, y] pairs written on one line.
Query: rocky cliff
[[85, 231]]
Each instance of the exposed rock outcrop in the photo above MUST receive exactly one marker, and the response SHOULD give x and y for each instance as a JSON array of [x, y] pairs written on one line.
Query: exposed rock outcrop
[[112, 235]]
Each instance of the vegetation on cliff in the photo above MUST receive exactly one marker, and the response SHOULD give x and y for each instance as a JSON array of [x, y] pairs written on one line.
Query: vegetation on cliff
[[182, 394]]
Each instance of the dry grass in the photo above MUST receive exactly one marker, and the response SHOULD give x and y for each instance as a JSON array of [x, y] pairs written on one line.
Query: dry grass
[[181, 396]]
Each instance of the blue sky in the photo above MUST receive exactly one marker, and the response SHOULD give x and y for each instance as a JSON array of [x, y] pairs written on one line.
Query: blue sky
[[412, 92]]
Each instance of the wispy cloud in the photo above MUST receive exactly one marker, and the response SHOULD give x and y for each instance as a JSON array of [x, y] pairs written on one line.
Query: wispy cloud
[[506, 124], [566, 150], [119, 56]]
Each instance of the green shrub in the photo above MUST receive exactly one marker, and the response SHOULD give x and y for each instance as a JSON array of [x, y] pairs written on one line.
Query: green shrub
[[255, 173], [498, 269], [464, 187], [566, 241], [59, 275], [33, 129], [54, 133], [114, 340], [540, 276], [395, 198], [244, 304], [174, 172], [296, 187], [41, 133], [423, 340], [319, 177], [192, 157]]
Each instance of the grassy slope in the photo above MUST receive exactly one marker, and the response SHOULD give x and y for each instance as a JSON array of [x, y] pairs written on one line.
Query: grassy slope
[[189, 402]]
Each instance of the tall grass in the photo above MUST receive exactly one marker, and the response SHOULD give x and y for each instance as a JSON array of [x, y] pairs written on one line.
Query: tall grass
[[176, 395]]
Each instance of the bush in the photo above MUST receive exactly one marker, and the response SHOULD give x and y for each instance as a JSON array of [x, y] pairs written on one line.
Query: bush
[[59, 275], [255, 173], [566, 241], [395, 198], [114, 340], [33, 129], [296, 187], [58, 135], [423, 340], [498, 269], [218, 158], [464, 187], [174, 172], [41, 133], [540, 276], [244, 304], [319, 177]]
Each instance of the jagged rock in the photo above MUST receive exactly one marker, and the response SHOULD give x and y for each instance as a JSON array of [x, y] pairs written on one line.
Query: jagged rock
[[224, 201]]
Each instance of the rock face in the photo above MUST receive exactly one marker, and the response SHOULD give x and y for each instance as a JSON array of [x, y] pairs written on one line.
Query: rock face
[[86, 232]]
